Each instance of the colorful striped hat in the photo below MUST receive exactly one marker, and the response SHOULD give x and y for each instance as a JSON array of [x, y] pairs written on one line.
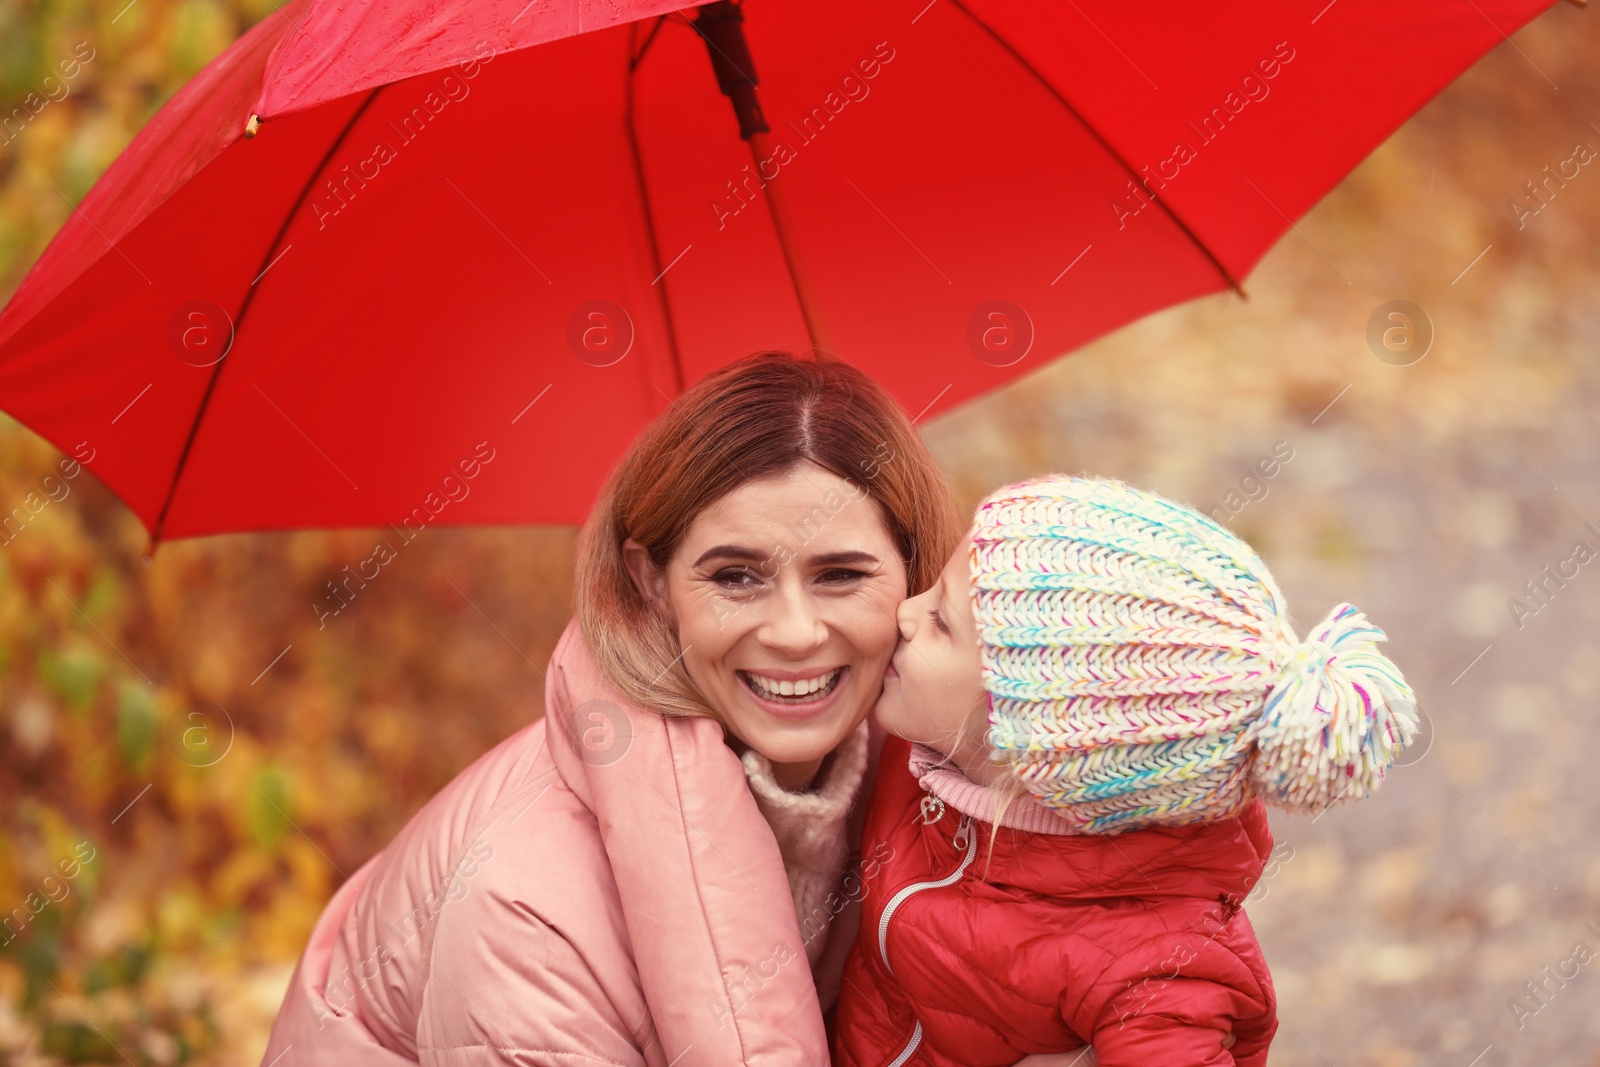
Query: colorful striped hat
[[1142, 669]]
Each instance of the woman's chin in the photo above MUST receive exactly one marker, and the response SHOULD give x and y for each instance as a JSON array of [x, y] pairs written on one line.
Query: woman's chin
[[788, 742]]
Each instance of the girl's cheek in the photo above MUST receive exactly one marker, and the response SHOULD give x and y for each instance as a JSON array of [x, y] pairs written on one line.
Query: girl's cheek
[[913, 705]]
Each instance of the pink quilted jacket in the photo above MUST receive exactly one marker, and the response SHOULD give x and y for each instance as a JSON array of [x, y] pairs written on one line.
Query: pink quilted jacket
[[599, 888]]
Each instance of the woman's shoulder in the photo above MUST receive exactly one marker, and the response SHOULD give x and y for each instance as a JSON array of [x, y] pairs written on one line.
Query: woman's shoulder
[[476, 856], [484, 805], [513, 771], [366, 964]]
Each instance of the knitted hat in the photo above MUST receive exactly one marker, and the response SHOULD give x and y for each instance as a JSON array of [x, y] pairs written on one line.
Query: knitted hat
[[1142, 669]]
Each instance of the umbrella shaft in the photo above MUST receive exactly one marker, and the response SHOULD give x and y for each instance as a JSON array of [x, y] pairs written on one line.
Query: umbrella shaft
[[721, 24], [783, 222]]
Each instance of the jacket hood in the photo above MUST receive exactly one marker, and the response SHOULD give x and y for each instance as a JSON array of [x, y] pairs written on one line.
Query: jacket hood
[[698, 872]]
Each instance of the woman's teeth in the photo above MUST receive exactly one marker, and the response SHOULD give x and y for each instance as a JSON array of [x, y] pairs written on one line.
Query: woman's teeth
[[796, 692]]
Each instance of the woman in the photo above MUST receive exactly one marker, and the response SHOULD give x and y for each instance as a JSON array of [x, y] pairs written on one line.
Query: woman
[[657, 871]]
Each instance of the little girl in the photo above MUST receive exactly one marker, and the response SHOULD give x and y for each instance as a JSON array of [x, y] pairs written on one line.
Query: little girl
[[1101, 685]]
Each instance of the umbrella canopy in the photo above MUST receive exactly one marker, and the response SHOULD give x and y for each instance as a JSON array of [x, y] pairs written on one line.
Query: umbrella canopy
[[408, 260]]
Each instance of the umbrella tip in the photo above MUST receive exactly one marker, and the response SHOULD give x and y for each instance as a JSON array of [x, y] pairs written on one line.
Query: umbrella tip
[[149, 552], [252, 125]]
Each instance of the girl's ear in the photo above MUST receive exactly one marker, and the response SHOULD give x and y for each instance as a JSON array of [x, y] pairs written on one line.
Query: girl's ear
[[647, 578]]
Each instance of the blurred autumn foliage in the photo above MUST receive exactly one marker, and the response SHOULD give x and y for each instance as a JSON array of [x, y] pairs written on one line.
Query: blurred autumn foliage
[[190, 763], [219, 802]]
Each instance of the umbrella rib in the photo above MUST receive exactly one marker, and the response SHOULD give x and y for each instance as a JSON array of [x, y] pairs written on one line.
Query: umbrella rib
[[644, 201], [1064, 102], [244, 306], [638, 57]]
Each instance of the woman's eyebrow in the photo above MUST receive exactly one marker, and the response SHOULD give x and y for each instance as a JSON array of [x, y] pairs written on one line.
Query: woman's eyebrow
[[826, 559], [731, 552], [830, 559]]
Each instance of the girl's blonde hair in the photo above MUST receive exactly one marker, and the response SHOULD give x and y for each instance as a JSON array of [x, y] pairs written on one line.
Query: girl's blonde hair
[[760, 416], [1009, 786]]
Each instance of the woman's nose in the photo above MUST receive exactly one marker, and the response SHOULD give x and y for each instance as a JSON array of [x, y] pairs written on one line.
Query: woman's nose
[[795, 626]]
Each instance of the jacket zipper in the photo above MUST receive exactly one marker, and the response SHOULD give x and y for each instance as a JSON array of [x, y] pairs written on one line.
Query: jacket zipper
[[963, 839]]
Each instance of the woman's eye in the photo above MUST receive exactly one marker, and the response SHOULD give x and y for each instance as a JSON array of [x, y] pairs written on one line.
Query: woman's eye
[[734, 578], [938, 620], [840, 575]]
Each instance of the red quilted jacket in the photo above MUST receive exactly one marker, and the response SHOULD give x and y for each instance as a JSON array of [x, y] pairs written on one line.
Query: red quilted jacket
[[1133, 942]]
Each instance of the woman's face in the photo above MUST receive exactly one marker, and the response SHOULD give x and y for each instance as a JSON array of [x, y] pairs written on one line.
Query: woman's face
[[784, 595]]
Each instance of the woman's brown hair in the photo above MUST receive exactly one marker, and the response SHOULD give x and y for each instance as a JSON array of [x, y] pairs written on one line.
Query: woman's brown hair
[[762, 415]]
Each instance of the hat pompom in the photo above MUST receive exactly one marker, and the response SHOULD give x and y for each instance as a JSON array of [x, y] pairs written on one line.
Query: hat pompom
[[1336, 718]]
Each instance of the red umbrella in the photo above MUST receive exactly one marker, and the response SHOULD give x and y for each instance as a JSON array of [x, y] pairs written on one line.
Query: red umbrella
[[423, 264]]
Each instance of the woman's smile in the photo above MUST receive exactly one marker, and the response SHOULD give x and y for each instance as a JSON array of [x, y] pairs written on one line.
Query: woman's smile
[[794, 694]]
